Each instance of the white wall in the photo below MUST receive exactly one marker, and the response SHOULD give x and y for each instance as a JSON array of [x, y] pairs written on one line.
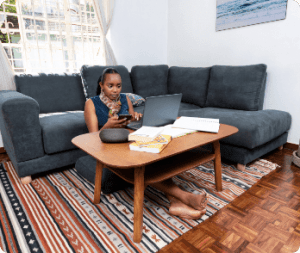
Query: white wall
[[192, 41], [138, 32]]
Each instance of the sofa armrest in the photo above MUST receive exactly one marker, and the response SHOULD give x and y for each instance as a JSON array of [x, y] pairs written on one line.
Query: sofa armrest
[[20, 126]]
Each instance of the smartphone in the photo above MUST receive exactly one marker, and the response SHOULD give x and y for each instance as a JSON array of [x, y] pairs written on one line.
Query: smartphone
[[123, 116]]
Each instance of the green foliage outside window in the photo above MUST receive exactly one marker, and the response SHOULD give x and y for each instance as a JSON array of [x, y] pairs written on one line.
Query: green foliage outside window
[[3, 38]]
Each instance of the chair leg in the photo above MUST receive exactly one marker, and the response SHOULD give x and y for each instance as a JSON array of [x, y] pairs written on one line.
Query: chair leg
[[26, 180], [281, 147], [241, 167]]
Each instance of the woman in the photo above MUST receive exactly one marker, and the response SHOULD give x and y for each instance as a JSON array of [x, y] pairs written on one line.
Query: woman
[[102, 110]]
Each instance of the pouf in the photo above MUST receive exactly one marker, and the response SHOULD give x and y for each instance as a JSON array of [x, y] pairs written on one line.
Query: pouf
[[86, 167]]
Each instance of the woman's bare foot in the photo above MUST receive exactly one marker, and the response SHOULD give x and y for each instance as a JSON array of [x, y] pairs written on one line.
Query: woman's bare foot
[[181, 210], [196, 201]]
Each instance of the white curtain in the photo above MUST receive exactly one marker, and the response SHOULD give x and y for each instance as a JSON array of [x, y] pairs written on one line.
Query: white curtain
[[6, 73], [104, 11]]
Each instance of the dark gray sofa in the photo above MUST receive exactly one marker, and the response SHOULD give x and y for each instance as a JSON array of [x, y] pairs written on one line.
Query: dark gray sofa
[[39, 120]]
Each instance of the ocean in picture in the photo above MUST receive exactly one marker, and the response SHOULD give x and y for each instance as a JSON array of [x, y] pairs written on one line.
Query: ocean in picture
[[237, 13]]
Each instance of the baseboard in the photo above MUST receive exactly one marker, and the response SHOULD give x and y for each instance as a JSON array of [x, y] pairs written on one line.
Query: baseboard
[[292, 146], [2, 150]]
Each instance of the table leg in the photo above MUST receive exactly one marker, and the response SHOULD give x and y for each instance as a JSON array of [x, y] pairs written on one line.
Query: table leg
[[138, 203], [218, 166], [98, 180]]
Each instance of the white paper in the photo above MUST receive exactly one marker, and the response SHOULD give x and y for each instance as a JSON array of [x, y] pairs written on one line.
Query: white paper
[[146, 131], [175, 131], [200, 124]]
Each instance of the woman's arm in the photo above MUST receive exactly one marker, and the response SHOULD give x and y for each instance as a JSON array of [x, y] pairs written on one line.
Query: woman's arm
[[90, 116], [91, 119], [135, 115]]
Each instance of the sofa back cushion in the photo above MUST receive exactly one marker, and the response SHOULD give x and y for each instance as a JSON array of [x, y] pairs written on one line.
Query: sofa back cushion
[[149, 80], [90, 76], [191, 82], [237, 87], [53, 92]]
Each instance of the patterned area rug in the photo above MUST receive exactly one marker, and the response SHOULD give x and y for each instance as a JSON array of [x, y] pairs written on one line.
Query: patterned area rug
[[55, 213]]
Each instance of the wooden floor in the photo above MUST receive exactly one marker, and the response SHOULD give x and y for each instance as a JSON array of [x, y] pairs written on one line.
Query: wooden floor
[[264, 219]]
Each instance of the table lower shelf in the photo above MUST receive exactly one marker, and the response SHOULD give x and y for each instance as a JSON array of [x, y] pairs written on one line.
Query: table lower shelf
[[169, 167]]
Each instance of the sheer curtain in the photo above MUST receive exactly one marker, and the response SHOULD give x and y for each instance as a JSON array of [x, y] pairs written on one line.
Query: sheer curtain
[[6, 73], [104, 11]]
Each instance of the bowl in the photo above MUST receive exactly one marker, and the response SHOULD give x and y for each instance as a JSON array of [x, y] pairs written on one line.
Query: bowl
[[296, 158]]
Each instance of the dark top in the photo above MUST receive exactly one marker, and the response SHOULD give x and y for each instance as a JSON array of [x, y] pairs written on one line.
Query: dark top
[[102, 109]]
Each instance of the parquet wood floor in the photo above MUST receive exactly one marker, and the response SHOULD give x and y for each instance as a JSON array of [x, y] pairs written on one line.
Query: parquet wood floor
[[266, 218]]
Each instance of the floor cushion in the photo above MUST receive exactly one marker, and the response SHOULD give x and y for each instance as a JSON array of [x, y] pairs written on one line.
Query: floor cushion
[[86, 167]]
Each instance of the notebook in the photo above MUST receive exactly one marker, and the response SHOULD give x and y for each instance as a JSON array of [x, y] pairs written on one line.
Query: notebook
[[159, 111]]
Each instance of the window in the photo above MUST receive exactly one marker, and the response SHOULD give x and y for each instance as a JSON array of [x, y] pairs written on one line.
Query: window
[[50, 36]]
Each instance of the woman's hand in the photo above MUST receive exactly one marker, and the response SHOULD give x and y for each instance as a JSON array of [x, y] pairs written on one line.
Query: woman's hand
[[136, 116], [114, 122]]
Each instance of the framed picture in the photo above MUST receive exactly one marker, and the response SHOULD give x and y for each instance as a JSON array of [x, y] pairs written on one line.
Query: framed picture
[[238, 13]]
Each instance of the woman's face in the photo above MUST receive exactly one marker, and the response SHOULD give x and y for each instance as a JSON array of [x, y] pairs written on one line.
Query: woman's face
[[112, 86]]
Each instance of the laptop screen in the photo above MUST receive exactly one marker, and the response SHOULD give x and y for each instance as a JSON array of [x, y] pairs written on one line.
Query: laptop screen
[[161, 110]]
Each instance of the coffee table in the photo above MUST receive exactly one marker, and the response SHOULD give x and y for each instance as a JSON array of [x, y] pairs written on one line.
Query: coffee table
[[142, 168]]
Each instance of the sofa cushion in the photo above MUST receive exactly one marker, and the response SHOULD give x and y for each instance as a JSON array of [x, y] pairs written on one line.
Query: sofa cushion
[[59, 129], [90, 76], [149, 80], [53, 92], [191, 82], [110, 182], [255, 127], [237, 87], [187, 106]]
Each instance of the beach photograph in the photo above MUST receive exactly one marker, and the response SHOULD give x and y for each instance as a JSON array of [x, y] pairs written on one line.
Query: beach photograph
[[238, 13]]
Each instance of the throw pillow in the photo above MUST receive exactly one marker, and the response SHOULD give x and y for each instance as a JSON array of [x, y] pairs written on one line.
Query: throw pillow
[[135, 99]]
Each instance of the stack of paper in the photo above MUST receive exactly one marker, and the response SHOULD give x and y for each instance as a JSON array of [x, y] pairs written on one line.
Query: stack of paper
[[200, 124], [176, 131]]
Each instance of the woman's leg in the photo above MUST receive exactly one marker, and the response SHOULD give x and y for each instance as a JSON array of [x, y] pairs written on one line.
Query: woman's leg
[[196, 201]]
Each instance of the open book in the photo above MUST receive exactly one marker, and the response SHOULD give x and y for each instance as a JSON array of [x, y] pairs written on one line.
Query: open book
[[154, 146], [199, 124]]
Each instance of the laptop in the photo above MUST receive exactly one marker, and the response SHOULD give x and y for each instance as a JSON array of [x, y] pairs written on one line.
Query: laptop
[[159, 111]]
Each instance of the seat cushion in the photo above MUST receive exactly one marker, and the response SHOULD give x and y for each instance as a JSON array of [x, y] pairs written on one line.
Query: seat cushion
[[90, 76], [188, 106], [149, 80], [86, 167], [255, 127], [59, 129], [53, 92], [191, 82], [237, 87]]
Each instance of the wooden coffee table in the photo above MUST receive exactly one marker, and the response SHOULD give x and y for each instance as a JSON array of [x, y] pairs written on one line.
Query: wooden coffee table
[[142, 169]]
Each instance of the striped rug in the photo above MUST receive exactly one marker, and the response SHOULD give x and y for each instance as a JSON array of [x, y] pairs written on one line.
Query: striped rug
[[55, 213]]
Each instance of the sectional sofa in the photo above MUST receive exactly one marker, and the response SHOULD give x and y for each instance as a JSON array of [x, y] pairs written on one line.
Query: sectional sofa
[[40, 118]]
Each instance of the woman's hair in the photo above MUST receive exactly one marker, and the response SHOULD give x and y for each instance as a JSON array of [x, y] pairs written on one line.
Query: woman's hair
[[103, 76]]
